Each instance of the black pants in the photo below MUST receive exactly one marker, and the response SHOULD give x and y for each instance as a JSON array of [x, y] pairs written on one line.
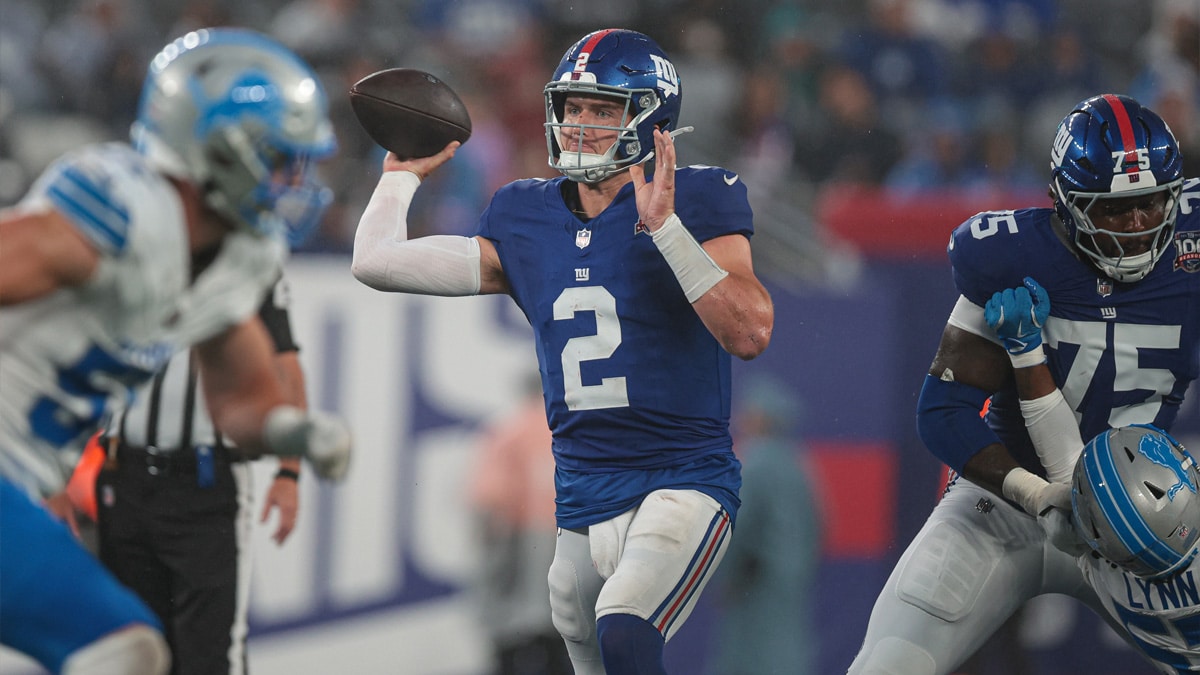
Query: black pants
[[175, 544]]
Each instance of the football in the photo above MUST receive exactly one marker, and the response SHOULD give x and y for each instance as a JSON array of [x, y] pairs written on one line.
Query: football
[[409, 112]]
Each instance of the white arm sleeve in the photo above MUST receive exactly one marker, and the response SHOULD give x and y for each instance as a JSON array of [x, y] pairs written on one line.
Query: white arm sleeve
[[969, 317], [1055, 434], [386, 260]]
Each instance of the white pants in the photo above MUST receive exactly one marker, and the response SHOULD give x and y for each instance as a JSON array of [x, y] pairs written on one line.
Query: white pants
[[975, 562], [652, 561]]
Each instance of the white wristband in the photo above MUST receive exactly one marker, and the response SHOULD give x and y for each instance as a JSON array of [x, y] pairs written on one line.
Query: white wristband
[[1028, 359], [1024, 487], [693, 267]]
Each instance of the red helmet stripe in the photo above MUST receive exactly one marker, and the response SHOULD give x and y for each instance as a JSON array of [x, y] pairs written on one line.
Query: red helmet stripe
[[1125, 128], [585, 52]]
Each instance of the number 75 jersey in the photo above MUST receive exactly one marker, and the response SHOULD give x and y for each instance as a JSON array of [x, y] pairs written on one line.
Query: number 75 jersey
[[630, 374], [1122, 353]]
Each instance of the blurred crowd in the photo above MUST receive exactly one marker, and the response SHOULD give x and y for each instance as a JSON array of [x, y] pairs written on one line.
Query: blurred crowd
[[909, 96]]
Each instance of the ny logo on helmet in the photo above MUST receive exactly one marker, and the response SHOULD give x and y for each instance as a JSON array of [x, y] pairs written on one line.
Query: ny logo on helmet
[[1062, 141], [668, 80]]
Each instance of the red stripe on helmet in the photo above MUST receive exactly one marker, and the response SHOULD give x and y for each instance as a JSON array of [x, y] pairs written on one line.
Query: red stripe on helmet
[[1125, 128], [585, 52]]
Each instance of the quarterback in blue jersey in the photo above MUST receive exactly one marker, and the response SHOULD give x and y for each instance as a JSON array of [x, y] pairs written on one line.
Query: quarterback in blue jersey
[[1116, 257], [117, 258], [638, 296]]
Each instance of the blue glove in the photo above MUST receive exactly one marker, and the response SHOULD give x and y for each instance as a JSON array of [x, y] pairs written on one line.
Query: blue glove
[[1017, 315]]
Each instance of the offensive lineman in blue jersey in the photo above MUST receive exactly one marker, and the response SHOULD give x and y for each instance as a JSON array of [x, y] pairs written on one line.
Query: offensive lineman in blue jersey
[[637, 298], [1117, 257], [1135, 503], [118, 257]]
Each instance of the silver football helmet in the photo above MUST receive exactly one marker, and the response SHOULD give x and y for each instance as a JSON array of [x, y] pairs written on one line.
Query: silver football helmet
[[244, 119], [1135, 502]]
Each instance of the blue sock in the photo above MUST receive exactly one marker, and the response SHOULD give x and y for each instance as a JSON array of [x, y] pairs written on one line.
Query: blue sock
[[630, 646]]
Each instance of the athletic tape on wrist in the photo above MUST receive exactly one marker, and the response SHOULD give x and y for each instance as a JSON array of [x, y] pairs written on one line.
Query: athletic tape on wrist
[[693, 267], [1023, 487], [1028, 359]]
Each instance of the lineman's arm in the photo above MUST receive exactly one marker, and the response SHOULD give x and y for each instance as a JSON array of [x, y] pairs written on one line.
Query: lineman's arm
[[41, 252], [387, 260], [283, 494], [975, 367], [966, 370], [241, 384], [248, 402], [1017, 316]]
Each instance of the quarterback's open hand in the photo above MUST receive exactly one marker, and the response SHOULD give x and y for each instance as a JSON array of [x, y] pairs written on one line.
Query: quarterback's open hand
[[1017, 315], [656, 199]]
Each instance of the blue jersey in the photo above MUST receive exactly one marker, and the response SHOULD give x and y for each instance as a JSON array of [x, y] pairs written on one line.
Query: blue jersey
[[1122, 353], [637, 390]]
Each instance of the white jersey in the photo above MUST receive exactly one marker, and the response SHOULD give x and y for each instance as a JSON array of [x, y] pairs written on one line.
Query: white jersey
[[1162, 617], [65, 357]]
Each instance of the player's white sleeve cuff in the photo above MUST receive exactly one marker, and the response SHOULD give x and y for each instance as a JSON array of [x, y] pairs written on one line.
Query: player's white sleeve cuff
[[969, 317], [695, 270]]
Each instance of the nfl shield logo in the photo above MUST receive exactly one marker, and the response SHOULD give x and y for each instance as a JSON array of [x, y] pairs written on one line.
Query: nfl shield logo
[[1104, 287], [583, 238]]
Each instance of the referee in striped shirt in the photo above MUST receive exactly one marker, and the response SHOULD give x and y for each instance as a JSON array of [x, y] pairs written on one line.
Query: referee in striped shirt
[[174, 506]]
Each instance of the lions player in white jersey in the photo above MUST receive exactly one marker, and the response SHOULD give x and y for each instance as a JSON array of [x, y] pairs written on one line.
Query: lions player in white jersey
[[638, 297], [1135, 502], [1116, 256], [118, 257]]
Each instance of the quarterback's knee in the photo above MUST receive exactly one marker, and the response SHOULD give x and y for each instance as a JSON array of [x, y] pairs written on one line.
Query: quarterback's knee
[[135, 650], [894, 656]]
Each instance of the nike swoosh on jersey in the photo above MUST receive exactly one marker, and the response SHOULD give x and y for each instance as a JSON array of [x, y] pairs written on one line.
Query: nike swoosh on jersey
[[730, 180]]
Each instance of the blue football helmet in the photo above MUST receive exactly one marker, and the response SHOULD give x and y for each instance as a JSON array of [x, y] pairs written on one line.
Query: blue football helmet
[[1111, 147], [244, 119], [1134, 499], [621, 64]]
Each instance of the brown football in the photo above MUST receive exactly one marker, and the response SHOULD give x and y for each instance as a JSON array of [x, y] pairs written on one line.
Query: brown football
[[409, 112]]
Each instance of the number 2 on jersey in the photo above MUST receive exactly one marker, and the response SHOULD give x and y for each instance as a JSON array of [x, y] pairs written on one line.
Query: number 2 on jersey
[[611, 392]]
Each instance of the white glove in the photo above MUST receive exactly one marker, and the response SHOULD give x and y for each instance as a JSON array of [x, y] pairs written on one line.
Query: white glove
[[1060, 530], [318, 436]]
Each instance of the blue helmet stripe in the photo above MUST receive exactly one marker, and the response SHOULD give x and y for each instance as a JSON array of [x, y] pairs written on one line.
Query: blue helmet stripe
[[1121, 513], [103, 220]]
